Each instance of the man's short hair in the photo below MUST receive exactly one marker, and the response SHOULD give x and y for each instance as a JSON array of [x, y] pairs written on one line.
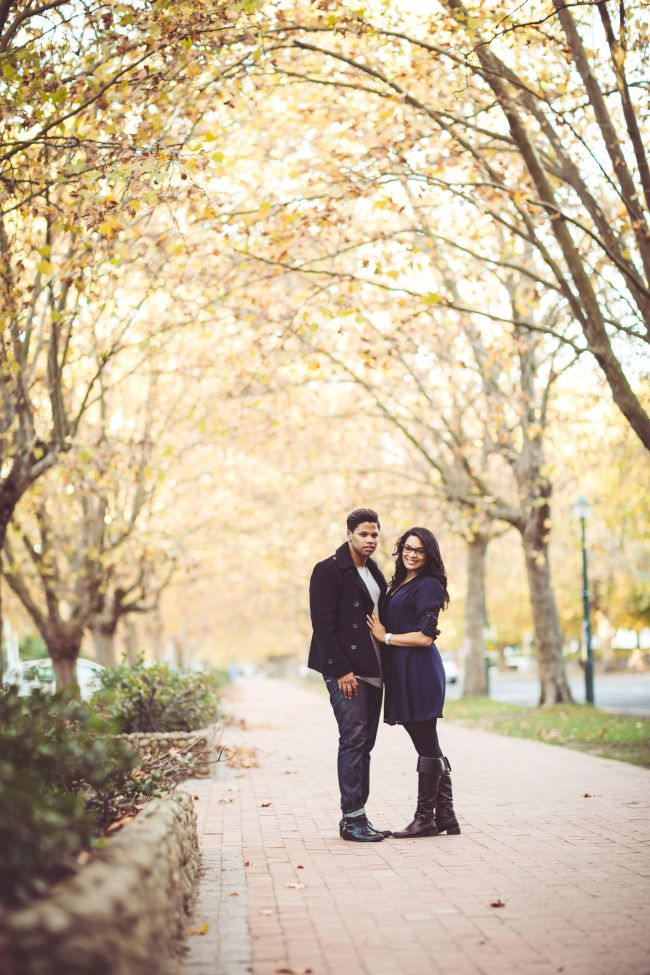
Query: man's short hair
[[359, 515]]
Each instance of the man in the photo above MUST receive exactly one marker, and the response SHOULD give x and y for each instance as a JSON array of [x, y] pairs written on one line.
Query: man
[[343, 590]]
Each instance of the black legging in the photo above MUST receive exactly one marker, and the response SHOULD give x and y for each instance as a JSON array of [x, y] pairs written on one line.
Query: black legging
[[424, 735]]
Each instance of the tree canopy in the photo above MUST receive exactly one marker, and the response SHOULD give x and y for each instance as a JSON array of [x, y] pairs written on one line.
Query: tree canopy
[[263, 262]]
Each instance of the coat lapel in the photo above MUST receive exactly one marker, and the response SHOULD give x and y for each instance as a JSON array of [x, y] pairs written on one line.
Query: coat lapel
[[361, 586], [345, 563]]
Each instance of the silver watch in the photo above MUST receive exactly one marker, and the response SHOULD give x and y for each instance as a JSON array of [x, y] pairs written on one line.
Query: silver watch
[[388, 638]]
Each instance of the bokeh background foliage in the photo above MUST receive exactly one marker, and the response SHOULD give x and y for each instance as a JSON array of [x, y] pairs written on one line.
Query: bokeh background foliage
[[264, 262]]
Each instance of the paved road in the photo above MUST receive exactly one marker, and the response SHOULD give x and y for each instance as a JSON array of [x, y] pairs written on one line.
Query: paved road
[[622, 692], [556, 839]]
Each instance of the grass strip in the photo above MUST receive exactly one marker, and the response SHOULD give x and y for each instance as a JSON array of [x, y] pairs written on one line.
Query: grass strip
[[579, 726]]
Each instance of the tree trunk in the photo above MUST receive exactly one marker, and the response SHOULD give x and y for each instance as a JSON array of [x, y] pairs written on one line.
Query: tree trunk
[[157, 637], [104, 644], [6, 512], [130, 640], [2, 655], [605, 631], [474, 644], [554, 687], [65, 673], [24, 471]]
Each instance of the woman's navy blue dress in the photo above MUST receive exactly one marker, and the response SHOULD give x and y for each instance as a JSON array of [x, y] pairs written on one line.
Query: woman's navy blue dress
[[414, 676]]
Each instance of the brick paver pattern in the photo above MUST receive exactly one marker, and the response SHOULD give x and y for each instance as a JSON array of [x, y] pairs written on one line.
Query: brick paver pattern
[[559, 838]]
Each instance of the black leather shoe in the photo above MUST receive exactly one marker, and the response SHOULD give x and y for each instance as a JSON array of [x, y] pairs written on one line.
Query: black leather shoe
[[358, 829], [384, 832], [421, 826]]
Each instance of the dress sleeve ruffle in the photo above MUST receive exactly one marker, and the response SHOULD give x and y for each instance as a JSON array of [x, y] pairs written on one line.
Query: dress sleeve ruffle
[[428, 623], [429, 600]]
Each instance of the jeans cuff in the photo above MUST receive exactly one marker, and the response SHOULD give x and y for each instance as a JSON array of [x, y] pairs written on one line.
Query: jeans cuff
[[355, 813]]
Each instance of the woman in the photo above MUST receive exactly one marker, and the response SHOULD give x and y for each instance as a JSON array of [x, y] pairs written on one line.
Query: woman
[[414, 675]]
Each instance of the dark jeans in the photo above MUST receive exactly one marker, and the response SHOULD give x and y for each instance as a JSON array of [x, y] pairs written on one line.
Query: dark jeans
[[424, 735], [357, 719]]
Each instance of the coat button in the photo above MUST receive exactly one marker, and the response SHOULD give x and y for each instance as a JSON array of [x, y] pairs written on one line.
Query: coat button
[[356, 604], [330, 661], [355, 626], [353, 647]]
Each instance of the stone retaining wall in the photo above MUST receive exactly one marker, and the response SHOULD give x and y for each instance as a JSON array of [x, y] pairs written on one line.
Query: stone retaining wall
[[161, 741], [122, 914]]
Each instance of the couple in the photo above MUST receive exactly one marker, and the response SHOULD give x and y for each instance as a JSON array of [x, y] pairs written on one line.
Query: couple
[[367, 634]]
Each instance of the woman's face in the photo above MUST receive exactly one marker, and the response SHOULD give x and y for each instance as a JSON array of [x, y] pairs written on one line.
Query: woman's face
[[413, 555]]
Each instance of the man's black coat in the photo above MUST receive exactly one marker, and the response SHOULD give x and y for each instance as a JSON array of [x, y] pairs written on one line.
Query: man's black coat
[[339, 603]]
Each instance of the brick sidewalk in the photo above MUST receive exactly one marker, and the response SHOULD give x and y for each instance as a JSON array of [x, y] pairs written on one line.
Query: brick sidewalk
[[282, 893]]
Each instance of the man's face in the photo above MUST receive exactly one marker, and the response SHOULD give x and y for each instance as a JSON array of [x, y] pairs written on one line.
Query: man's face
[[364, 539]]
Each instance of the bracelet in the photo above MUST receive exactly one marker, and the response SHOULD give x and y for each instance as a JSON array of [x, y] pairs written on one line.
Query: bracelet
[[388, 638]]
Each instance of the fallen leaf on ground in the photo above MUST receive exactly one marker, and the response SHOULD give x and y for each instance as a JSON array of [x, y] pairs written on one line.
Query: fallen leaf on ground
[[497, 903], [226, 800], [265, 804], [293, 971], [240, 757], [297, 886], [247, 863], [588, 795], [83, 858], [203, 928], [300, 867], [265, 913], [234, 894], [196, 797], [119, 823]]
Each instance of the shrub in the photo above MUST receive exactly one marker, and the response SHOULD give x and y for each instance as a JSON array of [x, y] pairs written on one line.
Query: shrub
[[157, 698], [32, 647], [61, 780], [65, 778]]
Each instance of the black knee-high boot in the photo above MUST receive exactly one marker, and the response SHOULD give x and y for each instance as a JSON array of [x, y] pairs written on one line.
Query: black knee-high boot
[[445, 816], [430, 771]]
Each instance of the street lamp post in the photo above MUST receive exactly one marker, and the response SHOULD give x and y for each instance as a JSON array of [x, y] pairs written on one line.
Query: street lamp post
[[582, 509]]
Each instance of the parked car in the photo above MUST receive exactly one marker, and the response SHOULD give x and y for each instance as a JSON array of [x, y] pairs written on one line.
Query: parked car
[[30, 675], [451, 668], [519, 662]]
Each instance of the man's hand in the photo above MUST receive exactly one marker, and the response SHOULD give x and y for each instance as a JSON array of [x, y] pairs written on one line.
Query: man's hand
[[348, 686]]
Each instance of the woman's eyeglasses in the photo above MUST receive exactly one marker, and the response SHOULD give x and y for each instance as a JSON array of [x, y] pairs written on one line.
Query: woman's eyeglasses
[[407, 550]]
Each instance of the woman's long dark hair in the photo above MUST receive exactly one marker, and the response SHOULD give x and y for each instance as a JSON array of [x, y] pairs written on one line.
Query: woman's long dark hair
[[433, 565]]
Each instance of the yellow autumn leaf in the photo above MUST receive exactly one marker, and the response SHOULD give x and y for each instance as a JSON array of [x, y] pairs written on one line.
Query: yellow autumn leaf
[[110, 227]]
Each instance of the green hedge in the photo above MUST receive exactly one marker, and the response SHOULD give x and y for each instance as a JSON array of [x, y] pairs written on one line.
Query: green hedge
[[156, 697], [63, 779]]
